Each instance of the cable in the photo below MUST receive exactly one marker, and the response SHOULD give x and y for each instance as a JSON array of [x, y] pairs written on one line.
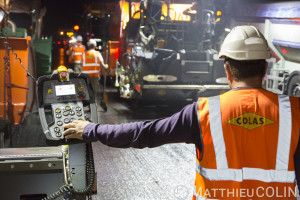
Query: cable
[[8, 47], [90, 170], [17, 58], [6, 53]]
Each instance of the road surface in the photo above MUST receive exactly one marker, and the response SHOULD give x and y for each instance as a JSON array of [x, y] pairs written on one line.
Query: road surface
[[165, 172]]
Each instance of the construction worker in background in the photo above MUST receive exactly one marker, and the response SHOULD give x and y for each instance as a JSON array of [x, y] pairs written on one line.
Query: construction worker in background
[[76, 52], [91, 63], [247, 139], [70, 53]]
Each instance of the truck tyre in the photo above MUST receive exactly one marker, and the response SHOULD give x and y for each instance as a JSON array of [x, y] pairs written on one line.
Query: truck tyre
[[294, 86]]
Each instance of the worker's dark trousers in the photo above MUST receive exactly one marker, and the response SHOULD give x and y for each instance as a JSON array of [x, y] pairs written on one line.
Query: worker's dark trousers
[[77, 67], [96, 89]]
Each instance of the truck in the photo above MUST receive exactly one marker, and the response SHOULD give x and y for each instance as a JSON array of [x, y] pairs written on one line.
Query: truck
[[279, 21], [284, 76], [169, 51]]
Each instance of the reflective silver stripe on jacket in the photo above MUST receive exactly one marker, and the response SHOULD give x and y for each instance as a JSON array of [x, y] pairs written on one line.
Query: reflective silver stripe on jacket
[[90, 71], [77, 53], [90, 65], [239, 175], [285, 133], [217, 131], [280, 174]]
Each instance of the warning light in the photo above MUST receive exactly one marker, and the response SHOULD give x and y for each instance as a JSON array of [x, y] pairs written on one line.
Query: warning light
[[61, 33], [76, 27], [117, 53], [138, 87], [70, 34], [64, 42], [219, 13], [58, 42], [284, 51]]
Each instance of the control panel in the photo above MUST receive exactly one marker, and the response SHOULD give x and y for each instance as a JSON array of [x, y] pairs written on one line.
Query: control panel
[[66, 101], [65, 113], [74, 90]]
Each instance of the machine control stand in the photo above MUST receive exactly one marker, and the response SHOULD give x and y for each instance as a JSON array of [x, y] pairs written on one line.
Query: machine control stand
[[67, 101], [63, 97]]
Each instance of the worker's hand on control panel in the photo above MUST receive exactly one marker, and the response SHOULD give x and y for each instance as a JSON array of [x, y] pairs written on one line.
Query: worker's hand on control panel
[[106, 66], [75, 129]]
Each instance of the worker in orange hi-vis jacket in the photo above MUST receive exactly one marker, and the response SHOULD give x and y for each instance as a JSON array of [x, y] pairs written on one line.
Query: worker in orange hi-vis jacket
[[92, 61], [70, 53], [76, 52]]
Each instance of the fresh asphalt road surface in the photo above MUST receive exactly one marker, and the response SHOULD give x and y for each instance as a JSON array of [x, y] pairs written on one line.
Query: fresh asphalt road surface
[[166, 172]]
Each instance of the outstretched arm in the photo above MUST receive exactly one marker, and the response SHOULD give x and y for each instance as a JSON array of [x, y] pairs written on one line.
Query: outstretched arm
[[180, 127]]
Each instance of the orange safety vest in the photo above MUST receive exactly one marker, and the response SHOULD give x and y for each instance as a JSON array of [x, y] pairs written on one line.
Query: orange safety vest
[[249, 140], [91, 63], [78, 50]]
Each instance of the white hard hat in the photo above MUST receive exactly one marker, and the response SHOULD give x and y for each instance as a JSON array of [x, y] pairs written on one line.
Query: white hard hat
[[245, 43], [79, 38], [72, 41], [92, 43]]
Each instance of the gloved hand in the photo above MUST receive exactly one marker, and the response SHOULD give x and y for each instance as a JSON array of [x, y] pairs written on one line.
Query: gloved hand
[[75, 129]]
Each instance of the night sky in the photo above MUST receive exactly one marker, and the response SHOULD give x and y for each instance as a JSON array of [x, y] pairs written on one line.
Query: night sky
[[62, 15]]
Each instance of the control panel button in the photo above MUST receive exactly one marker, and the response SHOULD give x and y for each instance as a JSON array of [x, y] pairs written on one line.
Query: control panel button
[[81, 95], [66, 113], [68, 108], [67, 121], [80, 119], [78, 108], [72, 119], [58, 115], [58, 134], [57, 110], [72, 112], [79, 114], [56, 129], [59, 123]]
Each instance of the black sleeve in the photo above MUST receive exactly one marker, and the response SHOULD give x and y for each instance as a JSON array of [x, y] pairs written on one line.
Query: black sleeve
[[180, 127]]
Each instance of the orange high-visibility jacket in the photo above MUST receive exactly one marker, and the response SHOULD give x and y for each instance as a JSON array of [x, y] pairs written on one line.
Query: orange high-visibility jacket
[[91, 63], [78, 50], [249, 140]]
